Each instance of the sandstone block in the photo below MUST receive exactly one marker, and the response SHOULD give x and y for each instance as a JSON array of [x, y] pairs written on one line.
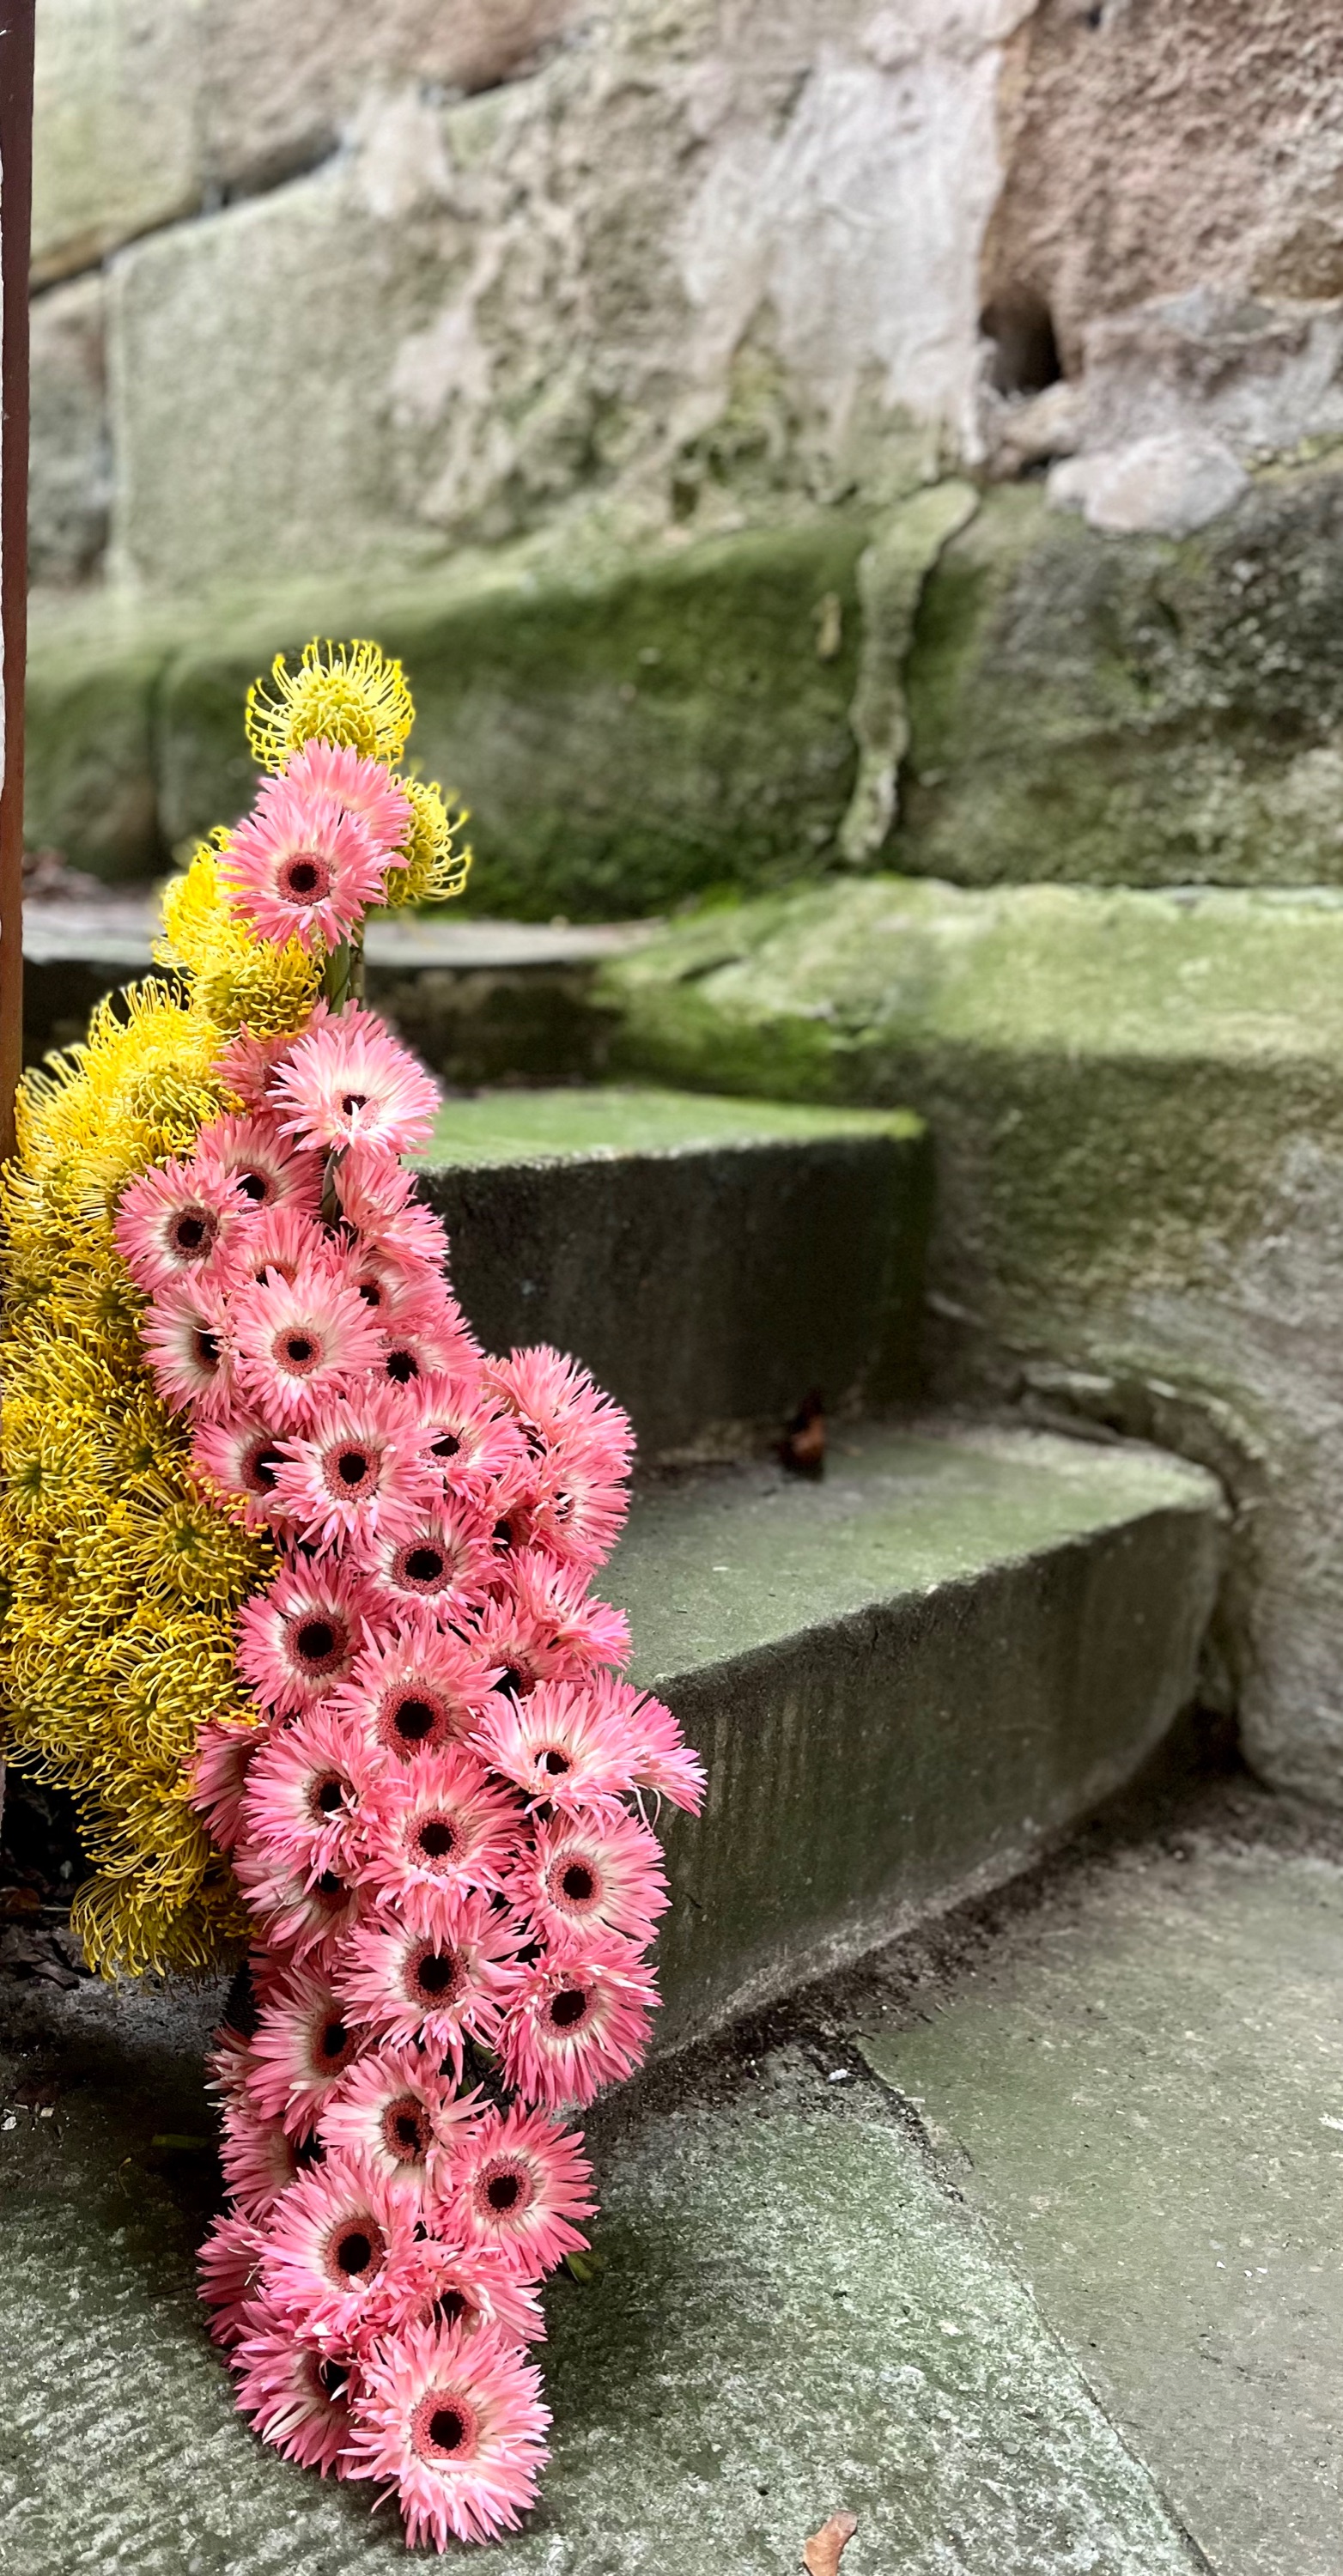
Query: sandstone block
[[69, 477], [115, 145]]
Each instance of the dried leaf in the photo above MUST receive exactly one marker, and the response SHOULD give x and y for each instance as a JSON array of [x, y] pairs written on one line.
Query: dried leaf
[[822, 2553], [802, 1448]]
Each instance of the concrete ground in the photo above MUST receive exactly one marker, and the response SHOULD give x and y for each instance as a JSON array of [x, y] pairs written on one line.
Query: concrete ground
[[938, 2244]]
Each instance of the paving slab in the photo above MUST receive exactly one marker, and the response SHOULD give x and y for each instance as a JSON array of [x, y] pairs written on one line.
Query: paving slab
[[710, 1260], [794, 2316], [905, 1681], [1141, 2088]]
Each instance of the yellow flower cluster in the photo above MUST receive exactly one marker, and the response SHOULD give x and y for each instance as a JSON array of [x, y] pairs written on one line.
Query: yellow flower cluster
[[120, 1575]]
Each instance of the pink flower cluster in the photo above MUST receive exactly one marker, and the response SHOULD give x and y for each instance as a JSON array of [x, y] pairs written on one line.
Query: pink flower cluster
[[438, 1824], [312, 855]]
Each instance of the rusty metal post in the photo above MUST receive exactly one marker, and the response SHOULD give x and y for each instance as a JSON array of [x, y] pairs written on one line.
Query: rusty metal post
[[16, 170]]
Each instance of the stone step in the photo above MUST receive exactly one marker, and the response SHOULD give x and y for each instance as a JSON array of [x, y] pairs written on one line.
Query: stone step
[[794, 2316], [711, 1261], [905, 1680], [1134, 2074], [480, 1001]]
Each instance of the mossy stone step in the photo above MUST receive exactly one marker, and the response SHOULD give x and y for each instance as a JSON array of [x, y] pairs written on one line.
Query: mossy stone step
[[905, 1680], [711, 1261]]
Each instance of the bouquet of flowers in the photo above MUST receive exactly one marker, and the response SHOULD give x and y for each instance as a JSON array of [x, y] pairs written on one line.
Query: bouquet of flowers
[[299, 1609]]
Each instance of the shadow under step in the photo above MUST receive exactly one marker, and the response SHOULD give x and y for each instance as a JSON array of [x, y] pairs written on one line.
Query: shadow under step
[[905, 1680]]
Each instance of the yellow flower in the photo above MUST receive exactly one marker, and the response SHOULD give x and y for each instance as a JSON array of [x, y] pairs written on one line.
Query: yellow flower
[[341, 693], [439, 863]]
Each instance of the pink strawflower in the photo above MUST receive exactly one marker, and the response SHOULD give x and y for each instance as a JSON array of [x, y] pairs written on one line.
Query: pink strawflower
[[433, 1831], [281, 1240], [300, 867], [184, 1340], [333, 2246], [237, 1459], [266, 1170], [302, 2046], [517, 2183], [466, 1433], [300, 1918], [472, 2287], [560, 1746], [444, 1558], [295, 1340], [660, 1758], [354, 1471], [246, 1064], [429, 1340], [405, 1982], [455, 2422], [395, 2111], [307, 1793], [346, 1080], [301, 1637], [418, 1689], [366, 789], [396, 1288], [175, 1221], [230, 2269], [258, 2160], [583, 1875], [581, 2021], [581, 1444], [297, 2397], [379, 1198], [228, 2063], [542, 1626], [217, 1772]]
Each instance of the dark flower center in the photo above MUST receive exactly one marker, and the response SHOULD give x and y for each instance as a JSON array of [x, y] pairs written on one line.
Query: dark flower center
[[405, 2130], [567, 2009], [413, 1719], [333, 2378], [437, 1973], [578, 1883], [360, 2250], [354, 1100], [305, 877], [264, 1465], [401, 1365], [206, 1347], [335, 2039], [300, 1349], [449, 2308], [504, 2191], [193, 1233], [254, 1186], [331, 1795], [447, 2431], [436, 1838], [555, 1762], [352, 1467], [319, 1642], [424, 1565], [447, 1446]]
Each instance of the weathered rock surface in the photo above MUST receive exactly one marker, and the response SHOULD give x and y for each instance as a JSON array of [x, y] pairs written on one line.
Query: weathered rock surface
[[1137, 1101], [70, 474]]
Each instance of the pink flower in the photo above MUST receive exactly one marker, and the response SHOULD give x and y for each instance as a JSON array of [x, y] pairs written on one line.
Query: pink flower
[[183, 1336], [230, 2268], [346, 1080], [660, 1758], [580, 1443], [444, 1558], [298, 2398], [293, 1341], [417, 1690], [258, 2160], [473, 2287], [434, 1830], [379, 1198], [583, 1875], [560, 1746], [301, 1918], [299, 867], [517, 2183], [581, 2020], [237, 1459], [406, 1982], [430, 1340], [301, 1637], [251, 1156], [366, 789], [218, 1774], [333, 2246], [466, 1433], [396, 2112], [542, 1626], [281, 1240], [455, 2422], [396, 1288], [306, 1794], [353, 1472], [246, 1064], [302, 2046], [173, 1222]]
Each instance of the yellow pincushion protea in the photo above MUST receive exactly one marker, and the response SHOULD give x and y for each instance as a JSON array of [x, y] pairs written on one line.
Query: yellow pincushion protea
[[121, 1575]]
